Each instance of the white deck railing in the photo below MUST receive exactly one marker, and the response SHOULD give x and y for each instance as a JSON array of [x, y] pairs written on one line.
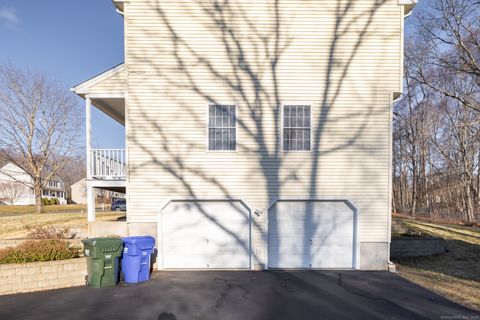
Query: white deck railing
[[107, 164]]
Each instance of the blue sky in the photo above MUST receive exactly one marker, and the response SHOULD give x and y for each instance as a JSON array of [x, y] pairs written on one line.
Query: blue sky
[[69, 40]]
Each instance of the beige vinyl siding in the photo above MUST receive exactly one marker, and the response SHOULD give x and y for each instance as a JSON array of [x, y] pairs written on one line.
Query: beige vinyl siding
[[115, 83], [166, 121]]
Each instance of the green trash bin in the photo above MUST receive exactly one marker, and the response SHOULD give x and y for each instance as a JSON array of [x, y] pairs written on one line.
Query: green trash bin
[[102, 261]]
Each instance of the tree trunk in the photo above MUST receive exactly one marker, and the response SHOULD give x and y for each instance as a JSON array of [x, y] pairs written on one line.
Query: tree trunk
[[468, 206], [37, 188]]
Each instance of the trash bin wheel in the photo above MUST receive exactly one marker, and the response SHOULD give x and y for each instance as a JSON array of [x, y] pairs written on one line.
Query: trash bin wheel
[[122, 276]]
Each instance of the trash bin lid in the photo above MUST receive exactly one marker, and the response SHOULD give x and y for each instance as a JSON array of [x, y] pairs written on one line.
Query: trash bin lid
[[105, 244], [143, 242]]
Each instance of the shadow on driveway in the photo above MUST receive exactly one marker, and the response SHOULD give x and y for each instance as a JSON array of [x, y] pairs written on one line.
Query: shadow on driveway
[[186, 295]]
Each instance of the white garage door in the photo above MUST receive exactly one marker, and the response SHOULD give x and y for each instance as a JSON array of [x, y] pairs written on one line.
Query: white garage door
[[311, 234], [205, 234]]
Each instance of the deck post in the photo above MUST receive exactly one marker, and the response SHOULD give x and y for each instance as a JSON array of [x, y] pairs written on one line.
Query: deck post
[[90, 203], [88, 133]]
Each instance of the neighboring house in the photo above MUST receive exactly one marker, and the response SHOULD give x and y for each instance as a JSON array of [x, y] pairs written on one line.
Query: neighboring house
[[258, 133], [79, 194], [17, 186]]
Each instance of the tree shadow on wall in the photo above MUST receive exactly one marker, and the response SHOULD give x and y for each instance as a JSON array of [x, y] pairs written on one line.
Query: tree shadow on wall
[[255, 55]]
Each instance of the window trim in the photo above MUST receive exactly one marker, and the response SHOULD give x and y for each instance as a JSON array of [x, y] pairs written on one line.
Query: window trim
[[207, 114], [282, 124]]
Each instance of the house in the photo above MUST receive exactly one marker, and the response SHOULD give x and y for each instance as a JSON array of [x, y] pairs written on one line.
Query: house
[[258, 133], [79, 194], [16, 187]]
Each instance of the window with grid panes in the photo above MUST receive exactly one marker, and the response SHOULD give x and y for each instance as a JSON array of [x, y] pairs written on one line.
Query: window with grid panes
[[296, 127], [222, 127]]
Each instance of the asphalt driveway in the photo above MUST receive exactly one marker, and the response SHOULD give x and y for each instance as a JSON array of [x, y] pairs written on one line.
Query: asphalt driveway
[[185, 295]]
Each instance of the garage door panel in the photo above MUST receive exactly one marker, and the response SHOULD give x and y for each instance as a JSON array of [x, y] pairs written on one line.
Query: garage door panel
[[191, 245], [299, 261], [325, 232], [332, 260], [207, 235], [319, 234], [293, 261], [194, 220], [209, 231], [306, 245], [205, 260], [299, 248]]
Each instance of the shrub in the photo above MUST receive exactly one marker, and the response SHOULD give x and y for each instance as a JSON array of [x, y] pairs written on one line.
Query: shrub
[[45, 201], [48, 232], [52, 201], [43, 250]]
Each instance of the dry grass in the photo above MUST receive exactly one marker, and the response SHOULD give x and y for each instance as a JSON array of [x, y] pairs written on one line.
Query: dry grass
[[466, 292], [454, 274], [17, 225], [31, 209]]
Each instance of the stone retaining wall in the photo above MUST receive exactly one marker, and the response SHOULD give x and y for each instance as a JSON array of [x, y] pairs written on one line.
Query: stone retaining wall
[[38, 276], [416, 246]]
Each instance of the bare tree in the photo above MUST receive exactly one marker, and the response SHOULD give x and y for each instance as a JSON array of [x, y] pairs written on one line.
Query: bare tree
[[436, 126], [447, 51], [39, 122], [11, 191]]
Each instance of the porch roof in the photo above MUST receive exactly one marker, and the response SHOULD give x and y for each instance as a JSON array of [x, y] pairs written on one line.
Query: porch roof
[[106, 91]]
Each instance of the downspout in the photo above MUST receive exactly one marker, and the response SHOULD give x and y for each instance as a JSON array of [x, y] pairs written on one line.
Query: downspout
[[409, 5]]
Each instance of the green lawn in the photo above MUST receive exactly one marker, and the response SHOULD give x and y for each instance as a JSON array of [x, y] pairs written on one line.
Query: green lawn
[[454, 274]]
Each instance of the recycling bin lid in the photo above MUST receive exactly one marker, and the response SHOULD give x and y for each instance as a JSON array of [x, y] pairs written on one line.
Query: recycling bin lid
[[147, 242]]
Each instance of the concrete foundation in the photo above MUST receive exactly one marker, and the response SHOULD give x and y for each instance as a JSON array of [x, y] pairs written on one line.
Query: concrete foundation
[[374, 256]]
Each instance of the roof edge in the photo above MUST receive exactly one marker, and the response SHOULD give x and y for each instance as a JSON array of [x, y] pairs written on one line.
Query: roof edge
[[79, 88]]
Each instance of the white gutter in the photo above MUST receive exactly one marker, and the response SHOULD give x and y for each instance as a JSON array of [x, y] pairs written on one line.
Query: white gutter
[[119, 6], [409, 4], [400, 97], [404, 17]]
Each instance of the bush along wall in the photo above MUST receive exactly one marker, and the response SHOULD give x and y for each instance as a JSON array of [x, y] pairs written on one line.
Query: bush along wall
[[43, 250], [41, 265]]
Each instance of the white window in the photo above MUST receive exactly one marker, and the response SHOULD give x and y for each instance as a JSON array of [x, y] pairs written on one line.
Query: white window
[[54, 184], [296, 127], [222, 132]]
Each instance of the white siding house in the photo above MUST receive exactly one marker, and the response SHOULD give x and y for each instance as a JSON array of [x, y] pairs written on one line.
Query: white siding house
[[13, 177], [258, 133]]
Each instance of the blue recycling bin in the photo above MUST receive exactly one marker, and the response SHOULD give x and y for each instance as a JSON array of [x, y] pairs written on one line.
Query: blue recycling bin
[[137, 253]]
